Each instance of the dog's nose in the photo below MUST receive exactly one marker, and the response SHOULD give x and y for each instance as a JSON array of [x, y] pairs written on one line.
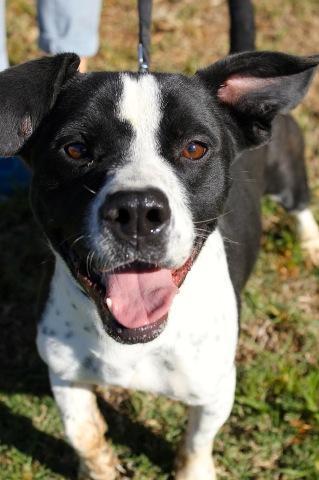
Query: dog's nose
[[136, 214]]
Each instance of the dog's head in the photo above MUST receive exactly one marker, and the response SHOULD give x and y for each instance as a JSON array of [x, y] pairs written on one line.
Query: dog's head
[[130, 171]]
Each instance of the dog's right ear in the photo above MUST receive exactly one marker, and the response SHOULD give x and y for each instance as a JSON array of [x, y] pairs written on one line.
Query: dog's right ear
[[27, 93]]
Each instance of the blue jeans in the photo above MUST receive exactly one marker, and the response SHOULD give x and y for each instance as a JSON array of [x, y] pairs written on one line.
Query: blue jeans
[[69, 26], [3, 40]]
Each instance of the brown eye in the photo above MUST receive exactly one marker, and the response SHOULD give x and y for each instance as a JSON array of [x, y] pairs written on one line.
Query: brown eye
[[194, 151], [77, 151]]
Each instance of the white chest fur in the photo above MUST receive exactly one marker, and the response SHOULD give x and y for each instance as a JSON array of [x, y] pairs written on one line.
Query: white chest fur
[[186, 362]]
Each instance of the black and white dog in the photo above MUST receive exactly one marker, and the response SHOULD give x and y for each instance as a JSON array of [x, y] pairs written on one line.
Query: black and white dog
[[137, 179]]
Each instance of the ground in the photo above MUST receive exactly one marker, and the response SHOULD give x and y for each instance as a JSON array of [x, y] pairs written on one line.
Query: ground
[[273, 432]]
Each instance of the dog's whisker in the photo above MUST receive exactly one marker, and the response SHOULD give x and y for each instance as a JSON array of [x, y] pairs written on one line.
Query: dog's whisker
[[229, 240], [197, 229], [46, 260], [87, 262], [75, 235], [89, 189], [91, 259], [77, 240], [213, 218], [206, 220], [202, 236]]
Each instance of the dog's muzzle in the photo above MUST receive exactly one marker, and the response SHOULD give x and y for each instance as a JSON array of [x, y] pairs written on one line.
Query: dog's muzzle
[[134, 292]]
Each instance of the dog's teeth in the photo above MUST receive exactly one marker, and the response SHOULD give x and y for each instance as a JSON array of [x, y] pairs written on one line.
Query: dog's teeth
[[109, 303]]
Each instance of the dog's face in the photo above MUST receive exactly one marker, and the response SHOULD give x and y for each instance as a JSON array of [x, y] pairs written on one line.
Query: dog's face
[[131, 163], [131, 170]]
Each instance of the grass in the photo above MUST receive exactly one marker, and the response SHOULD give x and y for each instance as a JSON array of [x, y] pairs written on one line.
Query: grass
[[273, 432]]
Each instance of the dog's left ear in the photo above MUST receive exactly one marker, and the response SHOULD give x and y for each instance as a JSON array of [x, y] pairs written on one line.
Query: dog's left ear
[[27, 93], [253, 87]]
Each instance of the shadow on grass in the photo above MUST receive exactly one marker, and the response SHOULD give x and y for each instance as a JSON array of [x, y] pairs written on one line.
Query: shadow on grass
[[17, 431], [138, 438], [22, 253]]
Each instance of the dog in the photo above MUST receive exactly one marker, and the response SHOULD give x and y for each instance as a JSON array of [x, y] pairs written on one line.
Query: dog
[[138, 179]]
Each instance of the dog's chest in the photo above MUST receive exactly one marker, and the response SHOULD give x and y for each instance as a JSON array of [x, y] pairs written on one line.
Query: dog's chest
[[185, 362]]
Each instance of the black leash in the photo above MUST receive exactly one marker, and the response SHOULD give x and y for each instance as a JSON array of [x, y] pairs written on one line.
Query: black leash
[[145, 19]]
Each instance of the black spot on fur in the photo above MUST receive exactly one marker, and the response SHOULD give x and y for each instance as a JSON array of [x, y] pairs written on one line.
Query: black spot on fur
[[90, 363], [48, 331], [168, 365]]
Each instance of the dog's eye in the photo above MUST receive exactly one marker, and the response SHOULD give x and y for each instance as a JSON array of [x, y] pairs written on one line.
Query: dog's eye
[[77, 151], [194, 150]]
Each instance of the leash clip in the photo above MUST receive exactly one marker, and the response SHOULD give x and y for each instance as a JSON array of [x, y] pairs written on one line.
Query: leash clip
[[143, 66]]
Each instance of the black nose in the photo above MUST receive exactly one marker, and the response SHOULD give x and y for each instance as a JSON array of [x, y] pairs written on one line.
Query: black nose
[[135, 214]]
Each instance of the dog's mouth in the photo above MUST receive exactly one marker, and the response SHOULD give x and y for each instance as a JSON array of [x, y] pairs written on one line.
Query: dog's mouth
[[133, 300]]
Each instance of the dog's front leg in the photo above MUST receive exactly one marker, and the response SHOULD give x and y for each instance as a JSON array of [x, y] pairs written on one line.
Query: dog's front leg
[[85, 429], [195, 459]]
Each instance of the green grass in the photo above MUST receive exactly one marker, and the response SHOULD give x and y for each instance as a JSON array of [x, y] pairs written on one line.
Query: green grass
[[273, 432]]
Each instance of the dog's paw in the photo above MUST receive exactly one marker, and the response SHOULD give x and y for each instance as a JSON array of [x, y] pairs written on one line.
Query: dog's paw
[[311, 248], [308, 231], [103, 466], [193, 466]]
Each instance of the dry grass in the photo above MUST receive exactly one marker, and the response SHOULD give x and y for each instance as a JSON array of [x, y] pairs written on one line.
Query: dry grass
[[273, 432]]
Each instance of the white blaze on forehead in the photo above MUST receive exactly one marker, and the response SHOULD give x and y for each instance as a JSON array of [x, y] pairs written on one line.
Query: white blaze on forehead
[[145, 167], [140, 105]]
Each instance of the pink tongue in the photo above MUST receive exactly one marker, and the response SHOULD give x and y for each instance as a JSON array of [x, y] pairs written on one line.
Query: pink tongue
[[140, 298]]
